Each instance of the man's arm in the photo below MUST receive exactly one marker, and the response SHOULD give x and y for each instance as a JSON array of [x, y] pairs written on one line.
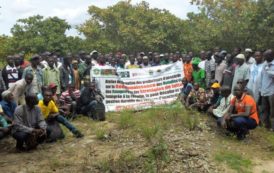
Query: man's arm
[[18, 121], [40, 120]]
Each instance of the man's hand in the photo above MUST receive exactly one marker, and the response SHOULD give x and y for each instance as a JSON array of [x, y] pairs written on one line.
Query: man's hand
[[39, 132]]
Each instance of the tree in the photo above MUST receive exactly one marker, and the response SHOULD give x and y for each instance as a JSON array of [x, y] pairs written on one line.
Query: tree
[[5, 47], [131, 28], [36, 34], [223, 23]]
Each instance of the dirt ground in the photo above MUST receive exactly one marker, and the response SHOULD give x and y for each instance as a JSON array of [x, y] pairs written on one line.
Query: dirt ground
[[115, 149]]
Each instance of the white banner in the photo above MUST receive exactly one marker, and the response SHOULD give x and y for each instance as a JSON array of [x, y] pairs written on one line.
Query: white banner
[[138, 88]]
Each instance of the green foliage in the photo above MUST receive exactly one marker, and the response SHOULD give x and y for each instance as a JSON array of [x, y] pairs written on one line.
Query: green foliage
[[132, 28], [234, 161], [156, 157], [36, 34], [126, 120], [5, 47], [150, 133], [101, 134]]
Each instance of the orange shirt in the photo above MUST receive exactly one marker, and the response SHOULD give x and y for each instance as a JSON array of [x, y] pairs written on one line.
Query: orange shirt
[[188, 69], [246, 100]]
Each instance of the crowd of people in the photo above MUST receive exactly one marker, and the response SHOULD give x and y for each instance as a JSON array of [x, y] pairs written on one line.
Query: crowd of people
[[237, 88]]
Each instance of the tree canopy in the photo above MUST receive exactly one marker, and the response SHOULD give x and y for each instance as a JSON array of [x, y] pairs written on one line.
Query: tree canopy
[[132, 28]]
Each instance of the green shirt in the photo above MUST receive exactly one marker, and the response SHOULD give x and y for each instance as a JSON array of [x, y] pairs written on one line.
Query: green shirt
[[198, 77], [82, 68], [52, 76]]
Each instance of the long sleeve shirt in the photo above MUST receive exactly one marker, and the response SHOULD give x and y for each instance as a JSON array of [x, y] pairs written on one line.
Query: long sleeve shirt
[[27, 119], [52, 76], [20, 88], [267, 81]]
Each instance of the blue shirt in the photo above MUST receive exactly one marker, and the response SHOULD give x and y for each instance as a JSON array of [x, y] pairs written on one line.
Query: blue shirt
[[8, 108], [267, 85]]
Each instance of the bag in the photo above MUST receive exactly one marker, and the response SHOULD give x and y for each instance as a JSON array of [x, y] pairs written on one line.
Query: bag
[[100, 112]]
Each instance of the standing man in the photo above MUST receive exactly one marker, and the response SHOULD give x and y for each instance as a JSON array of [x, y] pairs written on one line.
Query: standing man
[[220, 67], [249, 59], [10, 72], [66, 73], [37, 73], [241, 70], [254, 82], [82, 68], [51, 74], [267, 89], [209, 68]]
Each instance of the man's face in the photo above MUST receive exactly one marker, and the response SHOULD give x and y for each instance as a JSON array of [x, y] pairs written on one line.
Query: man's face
[[28, 80], [258, 57], [51, 62], [238, 91], [47, 96], [184, 81], [196, 87], [71, 88], [92, 86], [10, 97], [145, 61], [248, 54], [239, 61], [10, 60]]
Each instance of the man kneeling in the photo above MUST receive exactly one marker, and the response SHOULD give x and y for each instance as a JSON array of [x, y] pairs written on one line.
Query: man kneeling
[[29, 125], [242, 115], [50, 110]]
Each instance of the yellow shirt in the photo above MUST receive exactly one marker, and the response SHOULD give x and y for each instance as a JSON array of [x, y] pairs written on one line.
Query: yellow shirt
[[46, 110]]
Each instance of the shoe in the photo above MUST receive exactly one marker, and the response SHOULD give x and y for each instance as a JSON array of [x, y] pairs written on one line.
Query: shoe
[[78, 134]]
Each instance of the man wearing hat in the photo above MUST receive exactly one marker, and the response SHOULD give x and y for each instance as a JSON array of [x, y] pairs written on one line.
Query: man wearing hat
[[145, 63], [241, 70], [37, 73], [248, 55], [8, 105]]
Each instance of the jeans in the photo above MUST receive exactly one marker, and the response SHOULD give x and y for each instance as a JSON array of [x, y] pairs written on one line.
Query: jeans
[[89, 108], [61, 119], [268, 107], [239, 125]]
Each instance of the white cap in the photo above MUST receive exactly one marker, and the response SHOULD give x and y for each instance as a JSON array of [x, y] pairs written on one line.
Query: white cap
[[248, 50], [241, 56], [94, 51]]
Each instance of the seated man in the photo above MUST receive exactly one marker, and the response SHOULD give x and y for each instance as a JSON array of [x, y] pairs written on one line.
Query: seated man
[[215, 98], [88, 100], [50, 111], [197, 98], [187, 87], [242, 114], [29, 125], [219, 110], [8, 105], [68, 101]]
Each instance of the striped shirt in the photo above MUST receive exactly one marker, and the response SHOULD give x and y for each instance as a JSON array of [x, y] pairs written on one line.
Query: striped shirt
[[66, 97]]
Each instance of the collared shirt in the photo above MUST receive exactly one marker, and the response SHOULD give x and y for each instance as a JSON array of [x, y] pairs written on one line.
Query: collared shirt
[[241, 72], [254, 83], [37, 81], [240, 105], [8, 108], [219, 72], [20, 88], [267, 82], [47, 109], [52, 75], [27, 119]]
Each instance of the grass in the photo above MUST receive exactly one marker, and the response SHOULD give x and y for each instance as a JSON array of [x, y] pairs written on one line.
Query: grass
[[101, 134], [234, 161]]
